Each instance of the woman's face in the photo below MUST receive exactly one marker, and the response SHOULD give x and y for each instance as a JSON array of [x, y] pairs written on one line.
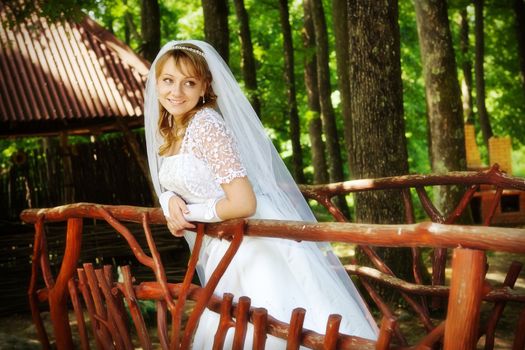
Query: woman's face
[[178, 90]]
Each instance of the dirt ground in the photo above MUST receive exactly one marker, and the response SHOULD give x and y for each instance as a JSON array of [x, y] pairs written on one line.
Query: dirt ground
[[17, 330]]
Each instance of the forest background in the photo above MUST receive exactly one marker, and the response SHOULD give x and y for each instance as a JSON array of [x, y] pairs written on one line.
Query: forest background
[[278, 85]]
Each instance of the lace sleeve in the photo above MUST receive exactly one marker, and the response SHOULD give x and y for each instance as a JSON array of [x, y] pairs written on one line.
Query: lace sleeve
[[215, 145]]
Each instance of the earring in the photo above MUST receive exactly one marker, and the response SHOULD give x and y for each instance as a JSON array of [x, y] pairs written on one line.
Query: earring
[[170, 120], [203, 100]]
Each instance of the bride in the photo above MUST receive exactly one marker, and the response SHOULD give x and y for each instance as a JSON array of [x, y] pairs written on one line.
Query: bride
[[210, 160]]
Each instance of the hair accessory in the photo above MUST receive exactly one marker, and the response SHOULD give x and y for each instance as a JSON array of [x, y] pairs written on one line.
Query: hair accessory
[[191, 49]]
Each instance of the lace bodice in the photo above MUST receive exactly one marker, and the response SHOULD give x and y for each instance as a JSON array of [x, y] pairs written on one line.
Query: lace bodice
[[208, 157]]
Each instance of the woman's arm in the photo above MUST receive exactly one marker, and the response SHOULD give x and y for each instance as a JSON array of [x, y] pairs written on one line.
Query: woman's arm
[[239, 200]]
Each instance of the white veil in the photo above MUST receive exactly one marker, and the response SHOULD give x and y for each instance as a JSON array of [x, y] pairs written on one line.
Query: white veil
[[266, 170]]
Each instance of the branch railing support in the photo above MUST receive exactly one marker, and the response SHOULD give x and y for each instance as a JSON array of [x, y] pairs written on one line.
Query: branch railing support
[[461, 329], [466, 293]]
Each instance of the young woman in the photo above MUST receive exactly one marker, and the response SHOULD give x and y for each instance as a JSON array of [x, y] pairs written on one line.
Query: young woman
[[211, 160]]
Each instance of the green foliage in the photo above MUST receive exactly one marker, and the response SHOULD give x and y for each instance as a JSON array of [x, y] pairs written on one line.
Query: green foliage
[[10, 148], [183, 19], [518, 161], [53, 10], [413, 91], [505, 96]]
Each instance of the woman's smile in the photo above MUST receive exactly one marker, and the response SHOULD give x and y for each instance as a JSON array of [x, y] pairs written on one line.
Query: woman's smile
[[179, 91]]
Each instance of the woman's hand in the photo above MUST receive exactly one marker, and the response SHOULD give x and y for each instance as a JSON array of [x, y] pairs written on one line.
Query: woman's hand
[[176, 221]]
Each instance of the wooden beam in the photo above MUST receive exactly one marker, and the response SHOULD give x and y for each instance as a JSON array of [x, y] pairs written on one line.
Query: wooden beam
[[466, 293]]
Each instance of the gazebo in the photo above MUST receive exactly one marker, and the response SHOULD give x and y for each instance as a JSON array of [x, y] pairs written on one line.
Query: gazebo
[[69, 78], [66, 77], [59, 79]]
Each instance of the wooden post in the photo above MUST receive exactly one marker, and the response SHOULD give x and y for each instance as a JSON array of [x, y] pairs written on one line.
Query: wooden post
[[466, 287], [69, 185], [58, 294]]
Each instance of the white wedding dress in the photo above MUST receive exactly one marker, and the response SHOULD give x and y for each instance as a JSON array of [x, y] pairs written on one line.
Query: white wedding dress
[[276, 274]]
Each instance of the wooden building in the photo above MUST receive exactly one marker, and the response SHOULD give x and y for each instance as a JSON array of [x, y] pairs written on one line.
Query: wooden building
[[66, 76], [69, 78], [57, 80]]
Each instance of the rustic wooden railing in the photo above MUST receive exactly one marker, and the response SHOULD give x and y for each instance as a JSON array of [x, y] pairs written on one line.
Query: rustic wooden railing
[[488, 186], [103, 298]]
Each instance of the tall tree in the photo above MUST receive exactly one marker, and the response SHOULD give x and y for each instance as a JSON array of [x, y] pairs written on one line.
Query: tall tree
[[249, 70], [444, 110], [324, 87], [127, 29], [335, 164], [340, 20], [486, 127], [466, 67], [216, 28], [130, 28], [519, 10], [289, 77], [378, 129], [315, 128], [150, 26]]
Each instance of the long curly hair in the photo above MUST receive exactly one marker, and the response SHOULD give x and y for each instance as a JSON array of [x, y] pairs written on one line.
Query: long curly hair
[[196, 65]]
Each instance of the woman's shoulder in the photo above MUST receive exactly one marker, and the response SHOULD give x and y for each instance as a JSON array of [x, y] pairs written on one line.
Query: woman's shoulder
[[207, 118], [208, 114]]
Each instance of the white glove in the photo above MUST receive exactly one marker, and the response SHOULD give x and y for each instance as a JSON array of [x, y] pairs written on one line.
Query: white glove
[[202, 212]]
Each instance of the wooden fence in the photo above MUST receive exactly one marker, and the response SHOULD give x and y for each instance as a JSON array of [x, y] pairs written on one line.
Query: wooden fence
[[459, 329], [101, 243], [103, 172]]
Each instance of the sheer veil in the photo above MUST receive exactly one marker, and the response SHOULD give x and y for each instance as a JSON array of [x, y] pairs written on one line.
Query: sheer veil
[[266, 170]]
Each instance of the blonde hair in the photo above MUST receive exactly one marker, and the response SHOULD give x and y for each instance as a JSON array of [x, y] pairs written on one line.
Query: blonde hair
[[195, 64]]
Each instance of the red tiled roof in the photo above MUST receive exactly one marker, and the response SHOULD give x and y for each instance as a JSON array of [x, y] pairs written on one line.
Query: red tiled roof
[[65, 74]]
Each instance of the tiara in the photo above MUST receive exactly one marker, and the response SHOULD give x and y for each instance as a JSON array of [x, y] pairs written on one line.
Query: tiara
[[191, 49]]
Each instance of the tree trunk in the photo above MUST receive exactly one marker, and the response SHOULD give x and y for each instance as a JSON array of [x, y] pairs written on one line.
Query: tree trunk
[[216, 26], [519, 9], [445, 115], [378, 128], [340, 20], [315, 125], [484, 120], [150, 26], [128, 18], [323, 82], [466, 67], [127, 29], [289, 77], [335, 165], [315, 128], [249, 70]]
